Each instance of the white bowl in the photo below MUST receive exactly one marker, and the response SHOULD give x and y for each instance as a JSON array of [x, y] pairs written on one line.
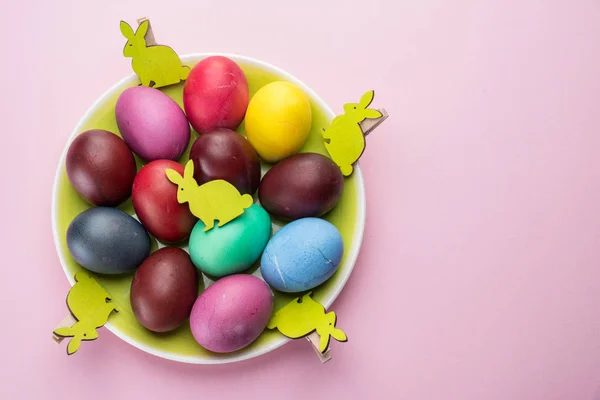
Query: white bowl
[[351, 256]]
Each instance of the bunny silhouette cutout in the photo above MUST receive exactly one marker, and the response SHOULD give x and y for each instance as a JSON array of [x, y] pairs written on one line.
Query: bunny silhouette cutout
[[156, 65], [303, 316], [214, 200], [89, 304], [344, 138]]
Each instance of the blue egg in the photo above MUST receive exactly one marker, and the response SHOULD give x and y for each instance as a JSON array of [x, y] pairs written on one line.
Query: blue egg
[[108, 241], [302, 255]]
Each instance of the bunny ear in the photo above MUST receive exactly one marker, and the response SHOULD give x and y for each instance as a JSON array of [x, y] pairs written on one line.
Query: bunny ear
[[339, 335], [370, 113], [324, 342], [142, 29], [272, 322], [126, 30], [64, 332], [81, 276], [174, 176], [188, 172], [366, 99], [73, 345]]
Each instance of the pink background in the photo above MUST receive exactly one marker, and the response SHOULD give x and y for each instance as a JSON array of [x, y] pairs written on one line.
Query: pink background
[[479, 277]]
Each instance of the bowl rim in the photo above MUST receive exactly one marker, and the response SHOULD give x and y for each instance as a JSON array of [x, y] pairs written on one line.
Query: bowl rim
[[351, 257]]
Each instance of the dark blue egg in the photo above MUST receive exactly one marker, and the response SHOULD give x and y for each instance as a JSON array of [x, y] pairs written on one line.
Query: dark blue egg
[[106, 240]]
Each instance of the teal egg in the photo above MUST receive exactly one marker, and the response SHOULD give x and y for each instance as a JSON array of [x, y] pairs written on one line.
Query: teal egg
[[232, 248]]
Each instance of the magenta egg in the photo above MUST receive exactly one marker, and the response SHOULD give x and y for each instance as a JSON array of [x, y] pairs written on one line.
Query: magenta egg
[[152, 124], [231, 313]]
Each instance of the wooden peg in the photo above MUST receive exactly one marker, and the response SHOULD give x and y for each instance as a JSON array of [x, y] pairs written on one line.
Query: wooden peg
[[150, 41], [314, 339], [369, 125]]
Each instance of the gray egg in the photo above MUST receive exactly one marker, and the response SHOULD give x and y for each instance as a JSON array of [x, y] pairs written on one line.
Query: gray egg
[[108, 241]]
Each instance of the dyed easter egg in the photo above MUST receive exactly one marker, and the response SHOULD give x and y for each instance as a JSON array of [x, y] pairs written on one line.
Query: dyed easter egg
[[233, 247], [100, 167], [107, 241], [215, 94], [225, 154], [152, 124], [278, 120], [302, 255], [231, 313], [164, 289], [155, 202], [302, 185]]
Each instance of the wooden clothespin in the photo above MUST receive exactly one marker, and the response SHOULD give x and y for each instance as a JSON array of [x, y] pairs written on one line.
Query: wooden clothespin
[[345, 137], [156, 65], [89, 305], [304, 317]]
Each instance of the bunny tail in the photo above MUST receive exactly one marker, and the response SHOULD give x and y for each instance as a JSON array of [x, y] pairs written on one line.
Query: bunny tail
[[185, 71], [247, 200], [347, 170]]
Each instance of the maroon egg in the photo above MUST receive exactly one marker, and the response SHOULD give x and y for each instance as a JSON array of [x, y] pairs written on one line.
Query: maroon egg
[[155, 202], [302, 185], [225, 154], [164, 289], [101, 168]]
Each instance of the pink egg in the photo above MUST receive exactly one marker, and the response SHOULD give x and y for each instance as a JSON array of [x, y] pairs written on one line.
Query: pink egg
[[231, 313], [152, 124]]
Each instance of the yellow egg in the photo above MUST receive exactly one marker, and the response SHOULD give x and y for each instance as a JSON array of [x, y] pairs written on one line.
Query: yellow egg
[[278, 120]]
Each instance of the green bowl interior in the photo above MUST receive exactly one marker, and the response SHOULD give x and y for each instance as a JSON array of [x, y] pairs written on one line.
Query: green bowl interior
[[180, 343]]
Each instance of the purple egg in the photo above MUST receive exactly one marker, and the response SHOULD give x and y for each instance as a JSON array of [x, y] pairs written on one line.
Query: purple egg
[[231, 313], [152, 124]]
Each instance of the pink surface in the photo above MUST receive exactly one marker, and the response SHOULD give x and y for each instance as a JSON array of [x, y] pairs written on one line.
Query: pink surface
[[480, 273]]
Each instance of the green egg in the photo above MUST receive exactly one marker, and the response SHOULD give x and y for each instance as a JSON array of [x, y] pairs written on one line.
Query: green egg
[[232, 248]]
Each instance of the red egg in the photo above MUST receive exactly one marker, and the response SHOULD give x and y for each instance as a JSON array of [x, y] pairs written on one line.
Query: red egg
[[101, 168], [215, 94], [164, 289], [155, 202]]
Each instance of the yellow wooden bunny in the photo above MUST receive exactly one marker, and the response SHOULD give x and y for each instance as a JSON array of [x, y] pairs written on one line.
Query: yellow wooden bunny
[[214, 200], [302, 316], [156, 65], [344, 138], [88, 302]]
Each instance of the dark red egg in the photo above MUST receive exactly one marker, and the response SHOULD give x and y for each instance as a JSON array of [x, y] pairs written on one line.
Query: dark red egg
[[101, 168], [164, 289], [155, 202], [225, 154], [302, 185]]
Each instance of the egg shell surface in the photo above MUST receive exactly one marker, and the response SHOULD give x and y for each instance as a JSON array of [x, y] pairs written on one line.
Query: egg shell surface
[[231, 313], [302, 255], [108, 241], [100, 168], [302, 185], [225, 154], [233, 247], [155, 202], [152, 124], [278, 120], [215, 94], [164, 289]]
